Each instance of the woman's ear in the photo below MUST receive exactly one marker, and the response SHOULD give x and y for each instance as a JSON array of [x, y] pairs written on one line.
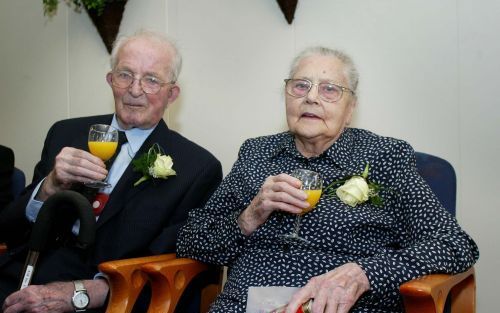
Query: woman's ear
[[351, 108]]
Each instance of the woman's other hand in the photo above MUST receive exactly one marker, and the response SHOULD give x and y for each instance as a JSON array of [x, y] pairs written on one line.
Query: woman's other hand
[[333, 292]]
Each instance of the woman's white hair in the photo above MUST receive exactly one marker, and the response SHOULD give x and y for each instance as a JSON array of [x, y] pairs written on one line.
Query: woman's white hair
[[350, 71], [175, 66]]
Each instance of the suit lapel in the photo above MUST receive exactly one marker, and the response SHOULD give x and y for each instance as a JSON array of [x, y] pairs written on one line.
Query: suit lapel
[[124, 189]]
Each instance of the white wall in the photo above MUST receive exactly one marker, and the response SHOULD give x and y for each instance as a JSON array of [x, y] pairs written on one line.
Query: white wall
[[479, 112], [428, 75]]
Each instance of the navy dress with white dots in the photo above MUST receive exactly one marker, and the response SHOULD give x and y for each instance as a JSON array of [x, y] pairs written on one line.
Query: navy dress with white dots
[[409, 236]]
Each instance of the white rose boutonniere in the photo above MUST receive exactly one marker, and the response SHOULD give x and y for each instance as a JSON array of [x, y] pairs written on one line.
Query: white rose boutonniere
[[356, 189], [162, 167], [154, 164]]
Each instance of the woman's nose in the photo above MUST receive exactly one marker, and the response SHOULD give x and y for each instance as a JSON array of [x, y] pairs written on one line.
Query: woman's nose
[[313, 94]]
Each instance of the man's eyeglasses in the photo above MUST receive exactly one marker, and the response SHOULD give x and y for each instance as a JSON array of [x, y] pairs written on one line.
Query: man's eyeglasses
[[328, 92], [149, 84]]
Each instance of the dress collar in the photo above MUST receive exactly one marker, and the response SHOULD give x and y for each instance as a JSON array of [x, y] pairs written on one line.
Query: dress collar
[[340, 152]]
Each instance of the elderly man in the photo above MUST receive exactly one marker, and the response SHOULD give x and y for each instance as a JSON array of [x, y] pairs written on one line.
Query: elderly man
[[137, 219]]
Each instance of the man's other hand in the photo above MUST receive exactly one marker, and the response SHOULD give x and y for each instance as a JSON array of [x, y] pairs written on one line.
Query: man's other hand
[[54, 297]]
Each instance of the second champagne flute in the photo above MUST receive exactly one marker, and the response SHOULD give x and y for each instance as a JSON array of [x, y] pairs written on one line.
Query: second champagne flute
[[103, 141]]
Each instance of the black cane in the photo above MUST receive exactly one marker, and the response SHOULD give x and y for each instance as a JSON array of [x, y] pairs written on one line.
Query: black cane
[[44, 223]]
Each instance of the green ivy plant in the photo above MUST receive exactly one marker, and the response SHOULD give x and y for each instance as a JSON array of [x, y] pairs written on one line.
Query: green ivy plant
[[50, 6]]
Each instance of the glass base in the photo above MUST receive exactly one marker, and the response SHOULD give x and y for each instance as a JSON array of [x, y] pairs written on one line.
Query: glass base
[[97, 184], [294, 237]]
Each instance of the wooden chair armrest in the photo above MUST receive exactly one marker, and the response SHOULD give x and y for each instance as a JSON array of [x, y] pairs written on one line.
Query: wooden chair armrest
[[429, 293], [126, 280], [170, 278]]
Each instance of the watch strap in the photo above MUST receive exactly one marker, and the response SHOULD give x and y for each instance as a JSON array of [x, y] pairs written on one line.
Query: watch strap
[[79, 285]]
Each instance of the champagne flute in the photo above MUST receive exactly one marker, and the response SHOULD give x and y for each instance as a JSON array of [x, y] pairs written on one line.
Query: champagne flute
[[103, 141], [312, 184]]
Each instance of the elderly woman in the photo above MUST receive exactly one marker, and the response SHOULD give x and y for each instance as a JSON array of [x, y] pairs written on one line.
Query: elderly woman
[[355, 255]]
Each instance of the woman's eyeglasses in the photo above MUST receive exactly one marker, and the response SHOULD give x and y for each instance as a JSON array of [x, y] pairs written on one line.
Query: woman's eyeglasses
[[328, 92]]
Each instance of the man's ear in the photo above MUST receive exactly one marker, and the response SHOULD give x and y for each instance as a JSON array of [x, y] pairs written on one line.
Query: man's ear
[[109, 79], [173, 93]]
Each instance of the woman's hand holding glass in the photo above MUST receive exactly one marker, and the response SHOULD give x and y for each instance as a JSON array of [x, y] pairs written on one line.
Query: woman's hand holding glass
[[278, 193]]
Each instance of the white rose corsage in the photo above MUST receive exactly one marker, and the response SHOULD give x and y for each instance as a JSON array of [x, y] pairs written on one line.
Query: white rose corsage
[[153, 164], [356, 189]]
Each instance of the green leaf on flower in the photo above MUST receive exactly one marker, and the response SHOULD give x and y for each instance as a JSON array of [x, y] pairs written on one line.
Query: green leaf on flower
[[142, 163], [365, 172], [331, 189], [376, 200]]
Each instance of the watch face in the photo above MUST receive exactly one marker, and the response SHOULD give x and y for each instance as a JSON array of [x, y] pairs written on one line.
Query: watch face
[[80, 300]]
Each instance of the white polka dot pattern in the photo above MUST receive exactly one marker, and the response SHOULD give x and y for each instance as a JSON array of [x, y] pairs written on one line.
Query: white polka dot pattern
[[410, 235]]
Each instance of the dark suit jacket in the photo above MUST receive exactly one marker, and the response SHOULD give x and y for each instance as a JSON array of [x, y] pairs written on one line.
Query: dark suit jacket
[[6, 169], [136, 221]]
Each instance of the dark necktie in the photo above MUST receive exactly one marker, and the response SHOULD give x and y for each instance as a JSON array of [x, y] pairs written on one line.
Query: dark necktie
[[122, 138]]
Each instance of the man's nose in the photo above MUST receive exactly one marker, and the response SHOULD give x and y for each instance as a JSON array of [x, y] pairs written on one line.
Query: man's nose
[[135, 88]]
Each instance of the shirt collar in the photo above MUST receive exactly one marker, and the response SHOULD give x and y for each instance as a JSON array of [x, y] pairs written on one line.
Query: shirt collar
[[135, 136], [340, 152]]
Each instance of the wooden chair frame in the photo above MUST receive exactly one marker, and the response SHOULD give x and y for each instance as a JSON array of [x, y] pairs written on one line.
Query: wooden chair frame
[[429, 293]]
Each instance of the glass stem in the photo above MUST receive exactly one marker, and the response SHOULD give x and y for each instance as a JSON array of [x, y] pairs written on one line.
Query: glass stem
[[297, 224]]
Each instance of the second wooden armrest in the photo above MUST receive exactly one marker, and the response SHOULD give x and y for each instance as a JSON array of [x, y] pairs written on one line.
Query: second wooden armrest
[[169, 279], [126, 280], [429, 293]]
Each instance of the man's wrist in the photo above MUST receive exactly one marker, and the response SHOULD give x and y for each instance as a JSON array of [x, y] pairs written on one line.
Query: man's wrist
[[98, 290], [46, 189], [80, 299]]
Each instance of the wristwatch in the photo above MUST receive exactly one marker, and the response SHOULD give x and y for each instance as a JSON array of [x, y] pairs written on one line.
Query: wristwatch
[[80, 299]]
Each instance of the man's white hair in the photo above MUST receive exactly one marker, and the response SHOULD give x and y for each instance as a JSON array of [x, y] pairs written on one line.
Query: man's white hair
[[175, 66]]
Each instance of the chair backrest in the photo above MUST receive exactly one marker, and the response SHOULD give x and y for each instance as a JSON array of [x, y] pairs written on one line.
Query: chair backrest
[[18, 182], [440, 176]]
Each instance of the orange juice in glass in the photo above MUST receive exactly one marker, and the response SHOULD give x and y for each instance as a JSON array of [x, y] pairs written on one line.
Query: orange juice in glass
[[313, 196], [102, 141], [102, 149]]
